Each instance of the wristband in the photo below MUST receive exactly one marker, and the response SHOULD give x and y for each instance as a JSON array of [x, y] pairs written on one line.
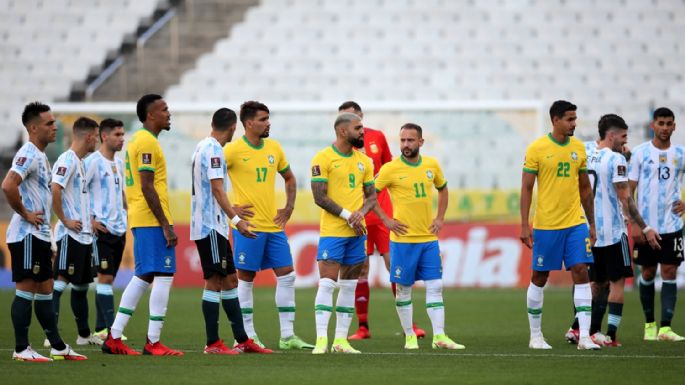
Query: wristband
[[646, 230], [235, 220], [345, 214]]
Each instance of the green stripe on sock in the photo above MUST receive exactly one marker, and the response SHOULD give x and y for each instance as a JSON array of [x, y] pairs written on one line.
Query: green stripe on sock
[[583, 308], [286, 309], [403, 303], [342, 309], [125, 311], [156, 318], [246, 310], [534, 311], [323, 308], [434, 304]]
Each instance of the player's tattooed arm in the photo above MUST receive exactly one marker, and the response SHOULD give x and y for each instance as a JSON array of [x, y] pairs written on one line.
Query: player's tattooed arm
[[369, 199], [147, 181], [283, 215], [320, 192], [623, 190]]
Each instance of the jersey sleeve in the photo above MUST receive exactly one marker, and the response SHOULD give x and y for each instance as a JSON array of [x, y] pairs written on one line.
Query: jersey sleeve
[[619, 173], [583, 159], [319, 172], [531, 162], [439, 180], [283, 164], [634, 168], [213, 160], [368, 171], [62, 171], [383, 179], [23, 162], [148, 156]]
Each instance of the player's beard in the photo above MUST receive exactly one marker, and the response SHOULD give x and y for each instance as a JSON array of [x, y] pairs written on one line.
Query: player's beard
[[357, 142], [264, 134], [409, 153]]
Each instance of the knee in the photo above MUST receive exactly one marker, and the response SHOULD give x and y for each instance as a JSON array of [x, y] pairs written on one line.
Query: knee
[[327, 285], [287, 280], [434, 287], [648, 273], [668, 272], [403, 293]]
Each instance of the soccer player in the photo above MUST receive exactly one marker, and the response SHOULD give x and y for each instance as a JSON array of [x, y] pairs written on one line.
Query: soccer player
[[378, 236], [656, 170], [209, 225], [27, 189], [253, 162], [560, 232], [608, 171], [342, 185], [74, 231], [414, 248], [105, 182], [154, 240]]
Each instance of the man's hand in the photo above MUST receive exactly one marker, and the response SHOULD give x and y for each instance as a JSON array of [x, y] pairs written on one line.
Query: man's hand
[[436, 226], [355, 219], [34, 218], [526, 236], [653, 239], [359, 228], [678, 207], [73, 225], [98, 227], [244, 228], [244, 211], [170, 236], [637, 235], [396, 226], [593, 235], [282, 216]]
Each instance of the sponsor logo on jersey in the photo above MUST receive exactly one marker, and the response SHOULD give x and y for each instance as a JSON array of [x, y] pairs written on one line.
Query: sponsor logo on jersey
[[216, 162], [147, 158]]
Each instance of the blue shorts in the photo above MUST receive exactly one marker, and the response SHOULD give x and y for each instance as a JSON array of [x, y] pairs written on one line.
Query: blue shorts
[[552, 247], [151, 253], [344, 250], [267, 251], [411, 262]]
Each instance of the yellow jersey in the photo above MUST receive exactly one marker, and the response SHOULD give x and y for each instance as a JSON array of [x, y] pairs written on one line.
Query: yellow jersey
[[557, 167], [252, 170], [410, 186], [346, 174], [143, 153]]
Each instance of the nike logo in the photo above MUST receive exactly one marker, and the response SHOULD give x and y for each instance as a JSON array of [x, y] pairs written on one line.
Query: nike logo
[[246, 159], [336, 166], [549, 156], [403, 177]]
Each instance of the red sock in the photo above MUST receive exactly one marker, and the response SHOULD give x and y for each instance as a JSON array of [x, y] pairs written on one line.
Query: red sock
[[394, 289], [361, 301]]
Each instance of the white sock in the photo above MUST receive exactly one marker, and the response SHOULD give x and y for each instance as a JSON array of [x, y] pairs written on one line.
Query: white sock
[[435, 306], [323, 305], [582, 299], [404, 308], [344, 307], [129, 300], [245, 298], [534, 300], [159, 299], [285, 302]]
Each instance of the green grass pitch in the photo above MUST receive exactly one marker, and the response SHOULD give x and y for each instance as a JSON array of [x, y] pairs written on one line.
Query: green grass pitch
[[492, 323]]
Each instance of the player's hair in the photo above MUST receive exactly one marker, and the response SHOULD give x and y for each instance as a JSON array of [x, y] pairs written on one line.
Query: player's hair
[[223, 119], [608, 122], [345, 117], [83, 125], [663, 112], [248, 110], [413, 126], [107, 125], [352, 105], [143, 104], [33, 111], [559, 108]]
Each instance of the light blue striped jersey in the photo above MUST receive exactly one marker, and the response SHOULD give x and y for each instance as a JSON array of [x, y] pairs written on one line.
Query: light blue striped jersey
[[605, 168], [658, 174], [68, 172], [206, 214], [33, 167], [590, 147], [104, 179]]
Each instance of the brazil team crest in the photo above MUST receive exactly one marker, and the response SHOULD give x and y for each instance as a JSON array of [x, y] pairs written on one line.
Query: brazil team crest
[[167, 262], [541, 260], [360, 166], [398, 272], [241, 258], [574, 156], [429, 174], [271, 159], [324, 255]]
